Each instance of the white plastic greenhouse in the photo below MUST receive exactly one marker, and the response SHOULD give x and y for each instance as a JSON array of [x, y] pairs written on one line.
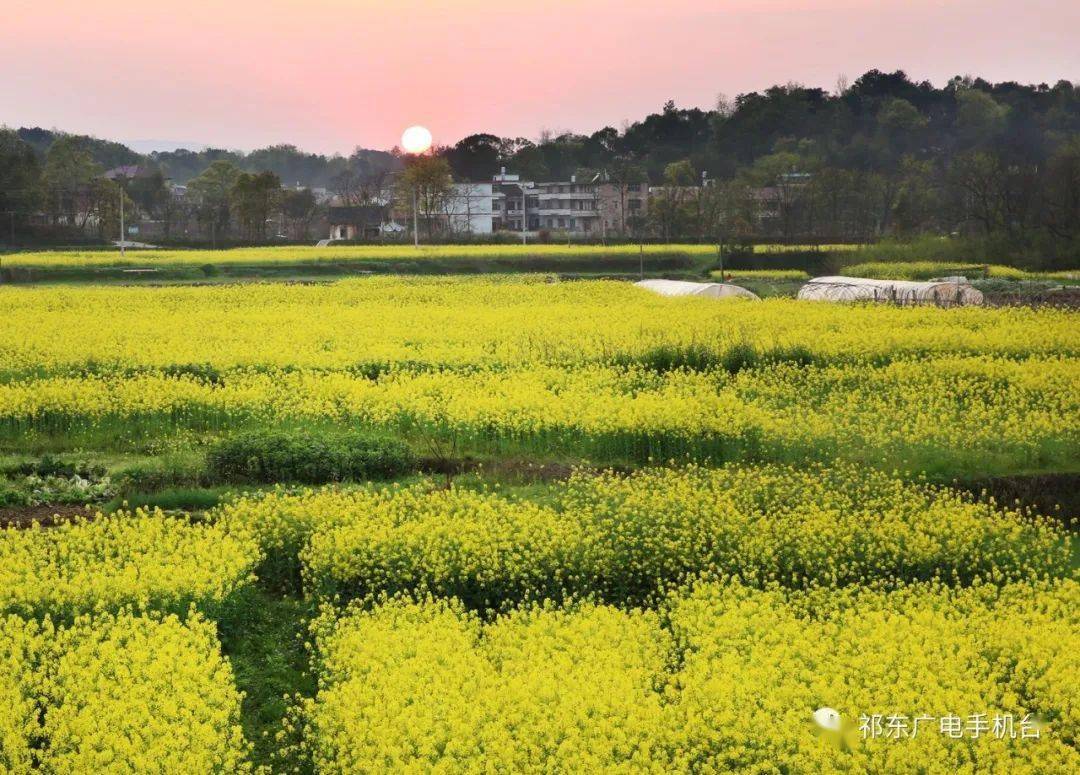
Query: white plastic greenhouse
[[685, 288], [946, 291]]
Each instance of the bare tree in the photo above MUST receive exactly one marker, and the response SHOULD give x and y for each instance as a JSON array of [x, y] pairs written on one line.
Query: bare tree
[[427, 182]]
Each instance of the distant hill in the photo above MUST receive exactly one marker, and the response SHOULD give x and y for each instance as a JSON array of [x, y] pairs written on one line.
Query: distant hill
[[160, 146], [181, 164], [107, 153]]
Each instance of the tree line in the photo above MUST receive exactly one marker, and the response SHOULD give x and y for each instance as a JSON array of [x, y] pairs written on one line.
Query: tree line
[[69, 188], [883, 156]]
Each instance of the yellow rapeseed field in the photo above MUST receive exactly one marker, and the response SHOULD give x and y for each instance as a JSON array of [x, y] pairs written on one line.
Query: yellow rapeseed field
[[143, 560], [426, 687], [467, 323], [731, 686], [130, 694], [766, 543], [593, 368], [337, 254], [21, 644], [624, 537], [997, 662], [368, 253], [118, 694], [952, 414]]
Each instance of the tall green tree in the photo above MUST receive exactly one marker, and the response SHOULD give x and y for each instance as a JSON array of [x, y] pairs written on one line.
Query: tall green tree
[[211, 192], [1062, 190], [20, 181], [476, 157], [920, 201], [104, 198], [148, 192], [979, 117], [299, 208], [668, 208], [254, 198], [624, 172], [69, 171]]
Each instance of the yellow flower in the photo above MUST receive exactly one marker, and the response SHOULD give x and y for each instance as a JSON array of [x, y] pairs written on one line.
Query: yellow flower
[[118, 694], [725, 678], [143, 559], [626, 537]]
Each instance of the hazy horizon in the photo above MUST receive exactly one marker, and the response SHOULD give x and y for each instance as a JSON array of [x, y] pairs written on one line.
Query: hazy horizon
[[332, 75]]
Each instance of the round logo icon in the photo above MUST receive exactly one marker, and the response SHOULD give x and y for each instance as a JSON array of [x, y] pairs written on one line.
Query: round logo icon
[[827, 718]]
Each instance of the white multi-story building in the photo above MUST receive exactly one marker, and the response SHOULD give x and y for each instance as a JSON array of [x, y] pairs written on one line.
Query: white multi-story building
[[468, 208], [588, 209], [569, 206], [564, 205], [585, 208], [556, 206]]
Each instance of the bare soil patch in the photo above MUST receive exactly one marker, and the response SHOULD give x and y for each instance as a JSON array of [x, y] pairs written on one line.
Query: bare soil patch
[[46, 514]]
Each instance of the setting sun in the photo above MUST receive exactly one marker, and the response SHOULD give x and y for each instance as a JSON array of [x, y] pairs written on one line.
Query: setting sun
[[416, 139]]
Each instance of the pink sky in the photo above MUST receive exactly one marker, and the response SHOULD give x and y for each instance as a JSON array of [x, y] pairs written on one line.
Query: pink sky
[[328, 75]]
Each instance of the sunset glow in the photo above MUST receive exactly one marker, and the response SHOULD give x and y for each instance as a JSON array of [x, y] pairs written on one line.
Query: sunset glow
[[328, 75]]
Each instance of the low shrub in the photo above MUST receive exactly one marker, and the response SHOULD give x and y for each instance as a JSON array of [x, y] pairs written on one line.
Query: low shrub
[[204, 372], [282, 456], [50, 466], [734, 275], [158, 474], [62, 489], [50, 481], [177, 498], [12, 495]]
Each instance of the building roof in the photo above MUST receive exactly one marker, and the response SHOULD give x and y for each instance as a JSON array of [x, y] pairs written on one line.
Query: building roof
[[128, 171]]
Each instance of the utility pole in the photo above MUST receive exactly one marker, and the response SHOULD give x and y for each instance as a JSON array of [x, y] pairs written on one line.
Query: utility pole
[[121, 220], [524, 215], [701, 205], [598, 203], [415, 220]]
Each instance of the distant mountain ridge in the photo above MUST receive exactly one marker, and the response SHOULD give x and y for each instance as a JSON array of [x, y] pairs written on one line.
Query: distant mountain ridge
[[293, 166], [149, 146]]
